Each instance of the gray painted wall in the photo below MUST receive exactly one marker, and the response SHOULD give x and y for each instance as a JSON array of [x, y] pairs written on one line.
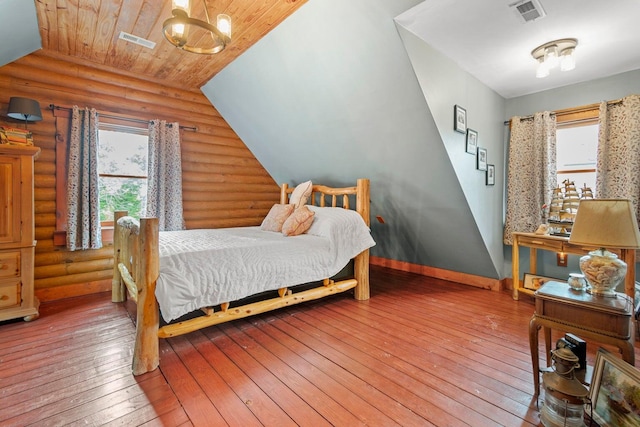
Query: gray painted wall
[[338, 92], [331, 95]]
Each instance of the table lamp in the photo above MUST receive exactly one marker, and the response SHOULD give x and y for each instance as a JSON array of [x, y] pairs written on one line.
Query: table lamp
[[606, 224]]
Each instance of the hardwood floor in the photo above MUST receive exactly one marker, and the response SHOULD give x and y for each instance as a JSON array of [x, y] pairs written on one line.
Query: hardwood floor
[[420, 352]]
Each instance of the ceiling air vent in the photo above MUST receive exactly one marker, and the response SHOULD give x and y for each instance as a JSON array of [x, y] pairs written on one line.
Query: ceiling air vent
[[528, 10], [137, 40]]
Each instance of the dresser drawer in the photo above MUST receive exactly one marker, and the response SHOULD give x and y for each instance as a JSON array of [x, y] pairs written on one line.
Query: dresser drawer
[[9, 264], [10, 295], [541, 243]]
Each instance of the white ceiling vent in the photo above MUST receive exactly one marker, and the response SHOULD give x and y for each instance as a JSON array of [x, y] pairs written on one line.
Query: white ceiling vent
[[528, 10], [137, 40]]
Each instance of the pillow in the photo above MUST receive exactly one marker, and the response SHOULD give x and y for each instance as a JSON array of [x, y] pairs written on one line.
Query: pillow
[[300, 194], [276, 217], [299, 222], [335, 222]]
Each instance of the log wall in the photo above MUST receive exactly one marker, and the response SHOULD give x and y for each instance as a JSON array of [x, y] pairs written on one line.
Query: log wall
[[224, 185]]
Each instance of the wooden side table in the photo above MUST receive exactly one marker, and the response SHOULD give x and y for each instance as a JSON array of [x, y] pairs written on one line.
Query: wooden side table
[[561, 244], [603, 319]]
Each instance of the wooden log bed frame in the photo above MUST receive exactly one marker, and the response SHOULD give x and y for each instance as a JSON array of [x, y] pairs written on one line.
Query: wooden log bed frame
[[136, 269]]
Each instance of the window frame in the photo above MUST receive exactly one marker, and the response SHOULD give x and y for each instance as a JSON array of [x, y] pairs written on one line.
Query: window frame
[[108, 125], [63, 127], [577, 117]]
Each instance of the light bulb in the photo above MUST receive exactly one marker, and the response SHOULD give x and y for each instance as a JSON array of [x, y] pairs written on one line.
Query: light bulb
[[224, 24], [181, 5], [551, 56], [542, 70], [567, 61]]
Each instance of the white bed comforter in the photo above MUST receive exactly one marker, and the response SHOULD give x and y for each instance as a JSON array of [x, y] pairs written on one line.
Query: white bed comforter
[[203, 268]]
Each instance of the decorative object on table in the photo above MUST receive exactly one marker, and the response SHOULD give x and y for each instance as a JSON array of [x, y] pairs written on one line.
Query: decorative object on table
[[614, 391], [543, 229], [585, 192], [577, 281], [9, 135], [534, 281], [564, 207], [481, 164], [491, 174], [472, 141], [555, 206], [564, 394], [459, 119], [605, 223]]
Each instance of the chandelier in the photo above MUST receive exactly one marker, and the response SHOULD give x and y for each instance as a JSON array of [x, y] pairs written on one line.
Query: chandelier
[[554, 53], [194, 35]]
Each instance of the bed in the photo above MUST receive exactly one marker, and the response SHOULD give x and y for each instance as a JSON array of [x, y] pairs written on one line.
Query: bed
[[171, 300]]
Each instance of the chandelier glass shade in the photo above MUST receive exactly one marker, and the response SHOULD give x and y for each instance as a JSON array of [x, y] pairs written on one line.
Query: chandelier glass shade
[[550, 55], [194, 35]]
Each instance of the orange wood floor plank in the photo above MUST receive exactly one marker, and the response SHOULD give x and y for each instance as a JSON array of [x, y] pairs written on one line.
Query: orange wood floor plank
[[260, 403]]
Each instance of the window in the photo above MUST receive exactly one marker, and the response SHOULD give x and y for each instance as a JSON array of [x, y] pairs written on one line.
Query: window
[[576, 155], [576, 147], [122, 169]]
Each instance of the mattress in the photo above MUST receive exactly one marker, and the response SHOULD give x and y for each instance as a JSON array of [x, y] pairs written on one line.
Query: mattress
[[206, 267]]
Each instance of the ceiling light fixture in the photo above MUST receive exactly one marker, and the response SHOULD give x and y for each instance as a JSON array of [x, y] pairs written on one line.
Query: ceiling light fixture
[[194, 35], [550, 54]]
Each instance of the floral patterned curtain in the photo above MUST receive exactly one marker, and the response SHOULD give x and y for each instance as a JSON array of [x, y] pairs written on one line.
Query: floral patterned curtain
[[531, 173], [83, 203], [618, 161], [164, 187]]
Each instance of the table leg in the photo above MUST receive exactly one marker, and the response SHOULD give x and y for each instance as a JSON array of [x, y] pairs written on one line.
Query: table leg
[[515, 267], [627, 349], [547, 344], [535, 360]]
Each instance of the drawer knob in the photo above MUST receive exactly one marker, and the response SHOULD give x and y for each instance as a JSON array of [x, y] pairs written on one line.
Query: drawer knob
[[4, 297]]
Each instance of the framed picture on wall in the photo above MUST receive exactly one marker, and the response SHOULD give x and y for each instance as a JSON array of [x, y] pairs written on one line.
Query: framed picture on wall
[[491, 174], [459, 119], [472, 141], [481, 163]]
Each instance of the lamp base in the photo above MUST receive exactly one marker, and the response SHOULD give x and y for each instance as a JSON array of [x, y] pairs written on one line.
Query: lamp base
[[603, 271], [609, 293]]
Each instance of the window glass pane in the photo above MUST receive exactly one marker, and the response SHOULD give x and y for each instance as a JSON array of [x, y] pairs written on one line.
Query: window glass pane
[[122, 194], [576, 153], [122, 153]]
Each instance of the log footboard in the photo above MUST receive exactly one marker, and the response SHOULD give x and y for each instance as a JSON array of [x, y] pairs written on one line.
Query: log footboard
[[136, 269]]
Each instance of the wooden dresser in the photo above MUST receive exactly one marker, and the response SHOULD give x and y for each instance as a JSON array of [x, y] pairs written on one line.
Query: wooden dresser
[[17, 244]]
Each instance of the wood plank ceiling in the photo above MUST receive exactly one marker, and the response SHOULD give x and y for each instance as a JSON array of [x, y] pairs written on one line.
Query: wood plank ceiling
[[87, 32]]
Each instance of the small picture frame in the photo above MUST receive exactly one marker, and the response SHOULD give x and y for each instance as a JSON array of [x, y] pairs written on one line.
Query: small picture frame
[[491, 174], [534, 281], [614, 381], [481, 163], [459, 119], [472, 141]]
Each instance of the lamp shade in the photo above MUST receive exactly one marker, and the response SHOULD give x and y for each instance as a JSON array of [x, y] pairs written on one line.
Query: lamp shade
[[24, 109], [606, 223]]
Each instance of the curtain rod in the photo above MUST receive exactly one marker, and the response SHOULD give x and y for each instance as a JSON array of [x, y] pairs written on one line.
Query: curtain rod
[[572, 110], [126, 119]]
